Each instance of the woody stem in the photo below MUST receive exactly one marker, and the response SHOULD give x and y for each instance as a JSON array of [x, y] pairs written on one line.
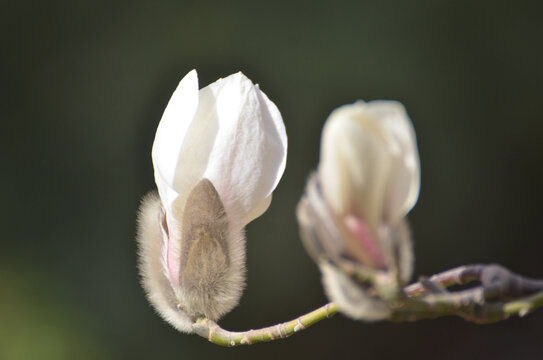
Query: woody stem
[[499, 295]]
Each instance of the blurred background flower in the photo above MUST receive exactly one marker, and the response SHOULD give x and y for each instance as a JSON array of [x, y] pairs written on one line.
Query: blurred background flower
[[84, 85], [354, 207]]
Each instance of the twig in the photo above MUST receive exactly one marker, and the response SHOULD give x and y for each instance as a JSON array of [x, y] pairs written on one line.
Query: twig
[[217, 335], [482, 304], [468, 304], [458, 276], [497, 281]]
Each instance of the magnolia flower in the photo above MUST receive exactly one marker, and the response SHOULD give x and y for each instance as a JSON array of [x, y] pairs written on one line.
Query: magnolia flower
[[369, 177], [370, 174], [218, 154]]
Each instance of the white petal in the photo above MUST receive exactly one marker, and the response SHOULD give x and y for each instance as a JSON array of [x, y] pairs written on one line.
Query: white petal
[[369, 161], [354, 163], [170, 134], [238, 141], [257, 210], [404, 183]]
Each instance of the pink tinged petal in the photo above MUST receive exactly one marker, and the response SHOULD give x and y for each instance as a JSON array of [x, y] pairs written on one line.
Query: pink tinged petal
[[151, 263], [170, 135], [365, 246], [173, 252]]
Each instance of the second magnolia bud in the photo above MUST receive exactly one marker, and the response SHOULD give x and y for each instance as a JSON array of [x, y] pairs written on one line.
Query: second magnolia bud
[[368, 179]]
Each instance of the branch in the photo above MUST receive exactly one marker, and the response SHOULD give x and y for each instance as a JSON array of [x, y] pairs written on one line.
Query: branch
[[217, 335], [497, 281], [499, 295], [458, 276], [468, 304]]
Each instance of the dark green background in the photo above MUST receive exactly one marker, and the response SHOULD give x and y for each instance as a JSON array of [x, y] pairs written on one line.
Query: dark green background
[[84, 84]]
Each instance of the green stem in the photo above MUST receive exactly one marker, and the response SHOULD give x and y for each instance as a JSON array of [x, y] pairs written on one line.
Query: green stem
[[524, 306], [217, 335]]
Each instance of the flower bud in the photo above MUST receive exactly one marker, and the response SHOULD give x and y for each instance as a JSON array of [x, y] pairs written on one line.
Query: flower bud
[[218, 154], [368, 179]]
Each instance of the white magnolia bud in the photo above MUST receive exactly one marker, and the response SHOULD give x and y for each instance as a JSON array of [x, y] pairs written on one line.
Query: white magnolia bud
[[218, 154], [370, 177]]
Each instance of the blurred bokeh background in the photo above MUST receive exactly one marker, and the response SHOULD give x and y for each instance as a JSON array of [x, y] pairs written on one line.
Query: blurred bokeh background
[[84, 84]]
